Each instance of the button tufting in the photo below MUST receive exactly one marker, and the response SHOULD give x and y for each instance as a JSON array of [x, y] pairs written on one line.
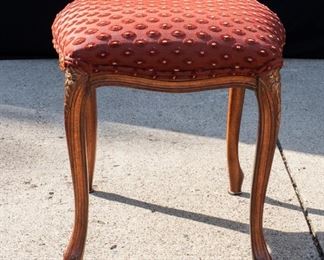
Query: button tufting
[[140, 26], [129, 35], [178, 34], [203, 35], [165, 26], [116, 27], [190, 26], [215, 28], [79, 41], [153, 34], [103, 37], [169, 39]]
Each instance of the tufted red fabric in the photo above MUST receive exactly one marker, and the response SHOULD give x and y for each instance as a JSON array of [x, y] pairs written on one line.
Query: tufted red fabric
[[169, 39]]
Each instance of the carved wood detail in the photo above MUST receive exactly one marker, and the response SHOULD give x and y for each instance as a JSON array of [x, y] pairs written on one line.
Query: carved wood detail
[[80, 123], [268, 95], [273, 81], [69, 85], [76, 90]]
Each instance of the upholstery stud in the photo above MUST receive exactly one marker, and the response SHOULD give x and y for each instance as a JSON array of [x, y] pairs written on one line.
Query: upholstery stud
[[250, 41], [166, 26], [249, 59], [153, 52], [129, 35], [116, 28], [239, 32], [103, 23], [212, 17], [128, 52], [226, 37], [153, 34], [273, 48], [177, 20], [215, 28], [263, 52], [213, 44], [203, 35], [139, 62], [238, 47], [177, 51], [103, 37], [140, 26], [189, 15], [178, 34], [202, 21], [103, 54], [164, 42], [189, 41], [140, 42], [90, 45], [152, 19], [114, 43]]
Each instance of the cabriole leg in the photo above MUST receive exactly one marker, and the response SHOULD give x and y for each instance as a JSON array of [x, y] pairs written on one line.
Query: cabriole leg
[[91, 134], [74, 108], [268, 95], [234, 114]]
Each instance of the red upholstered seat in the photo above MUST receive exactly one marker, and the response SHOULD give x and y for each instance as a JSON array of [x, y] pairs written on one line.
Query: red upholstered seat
[[169, 39]]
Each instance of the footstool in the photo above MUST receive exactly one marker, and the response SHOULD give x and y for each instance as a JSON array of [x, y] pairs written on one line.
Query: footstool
[[170, 46]]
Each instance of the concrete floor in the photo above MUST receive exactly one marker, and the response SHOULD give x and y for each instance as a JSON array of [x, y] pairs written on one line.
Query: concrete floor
[[161, 179]]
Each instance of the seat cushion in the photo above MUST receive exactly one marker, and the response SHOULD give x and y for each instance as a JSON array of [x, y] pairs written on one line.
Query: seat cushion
[[169, 39]]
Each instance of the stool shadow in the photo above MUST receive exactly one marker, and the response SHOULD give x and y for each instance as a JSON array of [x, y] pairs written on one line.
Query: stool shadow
[[295, 244], [286, 205]]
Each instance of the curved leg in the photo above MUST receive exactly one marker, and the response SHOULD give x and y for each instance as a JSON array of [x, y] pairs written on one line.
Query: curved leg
[[235, 106], [75, 101], [91, 134], [268, 95]]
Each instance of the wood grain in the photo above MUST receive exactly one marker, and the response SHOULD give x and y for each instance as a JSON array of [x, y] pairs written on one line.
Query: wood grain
[[81, 131], [268, 95], [234, 114], [75, 102], [103, 79], [91, 133]]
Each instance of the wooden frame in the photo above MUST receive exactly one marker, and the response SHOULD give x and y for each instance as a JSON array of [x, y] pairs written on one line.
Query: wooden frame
[[81, 125]]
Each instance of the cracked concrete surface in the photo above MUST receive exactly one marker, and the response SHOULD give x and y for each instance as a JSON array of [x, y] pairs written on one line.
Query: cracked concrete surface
[[161, 178]]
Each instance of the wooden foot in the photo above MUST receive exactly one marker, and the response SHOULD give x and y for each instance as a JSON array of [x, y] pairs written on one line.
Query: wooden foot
[[74, 108], [235, 106], [91, 134], [268, 95]]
